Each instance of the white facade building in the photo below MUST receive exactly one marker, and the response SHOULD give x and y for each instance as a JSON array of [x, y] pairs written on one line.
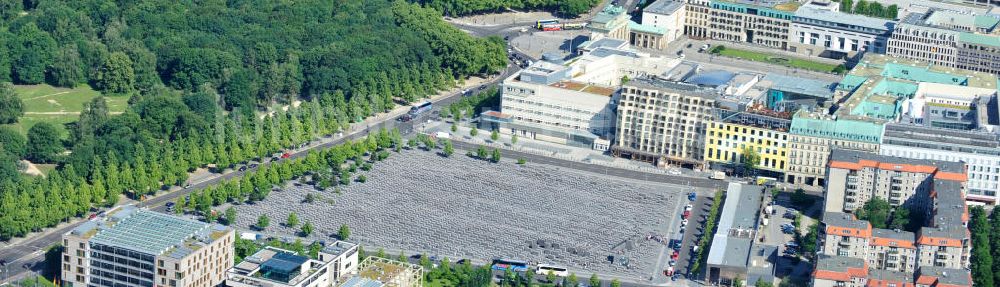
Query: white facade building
[[274, 267], [668, 15], [575, 104], [980, 152], [831, 34]]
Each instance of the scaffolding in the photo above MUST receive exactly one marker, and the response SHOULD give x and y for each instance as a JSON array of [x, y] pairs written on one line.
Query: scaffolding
[[392, 273]]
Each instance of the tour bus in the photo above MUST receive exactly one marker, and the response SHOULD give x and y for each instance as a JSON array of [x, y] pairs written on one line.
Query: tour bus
[[574, 26], [540, 23], [544, 269], [421, 108], [552, 27], [512, 265]]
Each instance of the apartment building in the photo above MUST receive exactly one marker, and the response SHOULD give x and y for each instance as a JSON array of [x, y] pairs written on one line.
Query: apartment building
[[929, 187], [136, 247], [813, 135], [731, 133], [892, 250], [663, 121], [846, 235], [836, 35], [839, 271], [980, 151], [949, 39], [854, 254], [764, 23], [275, 267]]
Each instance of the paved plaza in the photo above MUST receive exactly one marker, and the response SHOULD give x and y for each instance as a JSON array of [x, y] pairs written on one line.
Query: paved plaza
[[461, 207]]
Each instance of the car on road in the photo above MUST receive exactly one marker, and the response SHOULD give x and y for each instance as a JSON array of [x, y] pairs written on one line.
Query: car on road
[[789, 214], [675, 171], [286, 155]]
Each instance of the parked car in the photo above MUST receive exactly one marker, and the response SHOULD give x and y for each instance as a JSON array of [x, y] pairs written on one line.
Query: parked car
[[688, 207], [692, 196], [686, 214]]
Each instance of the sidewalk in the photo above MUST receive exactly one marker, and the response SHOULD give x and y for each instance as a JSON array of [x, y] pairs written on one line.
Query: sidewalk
[[553, 150]]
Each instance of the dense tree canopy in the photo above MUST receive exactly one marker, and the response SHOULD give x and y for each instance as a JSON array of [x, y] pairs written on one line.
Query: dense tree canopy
[[44, 145], [463, 7], [11, 107], [203, 77]]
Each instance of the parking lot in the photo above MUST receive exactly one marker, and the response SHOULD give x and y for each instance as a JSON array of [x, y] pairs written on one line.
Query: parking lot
[[461, 207]]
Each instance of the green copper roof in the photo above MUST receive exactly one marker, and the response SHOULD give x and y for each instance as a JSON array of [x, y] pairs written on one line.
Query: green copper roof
[[921, 74], [878, 106], [646, 28], [894, 88], [836, 129], [851, 82], [986, 22], [985, 40]]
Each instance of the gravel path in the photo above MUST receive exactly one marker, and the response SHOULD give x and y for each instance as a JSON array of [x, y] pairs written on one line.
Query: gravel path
[[465, 208]]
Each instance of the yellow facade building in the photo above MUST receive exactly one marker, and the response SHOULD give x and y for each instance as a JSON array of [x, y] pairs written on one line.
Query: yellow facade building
[[731, 132]]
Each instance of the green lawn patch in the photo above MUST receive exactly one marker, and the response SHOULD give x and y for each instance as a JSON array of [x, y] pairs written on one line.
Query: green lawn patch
[[778, 60], [58, 106]]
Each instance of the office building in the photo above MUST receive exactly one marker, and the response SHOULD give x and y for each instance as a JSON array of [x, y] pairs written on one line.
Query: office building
[[836, 35], [275, 267], [812, 136], [663, 121], [667, 15], [888, 89], [730, 134], [949, 39], [951, 106], [570, 104], [696, 18], [764, 23], [789, 94], [736, 252], [136, 247], [980, 151]]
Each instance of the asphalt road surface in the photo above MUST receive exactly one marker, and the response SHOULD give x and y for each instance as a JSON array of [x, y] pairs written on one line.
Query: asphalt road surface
[[600, 169]]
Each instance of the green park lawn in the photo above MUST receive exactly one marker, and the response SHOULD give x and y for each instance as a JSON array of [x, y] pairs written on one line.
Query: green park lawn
[[58, 106], [775, 59]]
